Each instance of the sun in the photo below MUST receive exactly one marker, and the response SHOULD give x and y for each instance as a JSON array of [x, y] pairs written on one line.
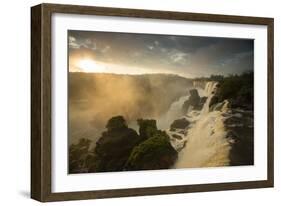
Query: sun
[[89, 65]]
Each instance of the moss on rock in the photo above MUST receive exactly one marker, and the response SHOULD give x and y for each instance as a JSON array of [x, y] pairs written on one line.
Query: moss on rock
[[154, 153]]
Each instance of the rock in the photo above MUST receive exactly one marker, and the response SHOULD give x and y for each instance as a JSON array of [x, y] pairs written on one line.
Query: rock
[[241, 103], [242, 150], [154, 153], [120, 148], [147, 127], [77, 155], [241, 136], [219, 106], [182, 146], [114, 146], [203, 100], [177, 136], [193, 101], [116, 122], [214, 100], [201, 103], [182, 131], [193, 93], [179, 124]]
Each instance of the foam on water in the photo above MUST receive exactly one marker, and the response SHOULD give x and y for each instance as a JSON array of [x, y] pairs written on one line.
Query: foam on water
[[205, 143]]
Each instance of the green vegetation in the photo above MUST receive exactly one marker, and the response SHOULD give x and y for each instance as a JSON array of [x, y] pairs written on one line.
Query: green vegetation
[[117, 122], [121, 148], [115, 145], [77, 155], [154, 153], [147, 128], [239, 89]]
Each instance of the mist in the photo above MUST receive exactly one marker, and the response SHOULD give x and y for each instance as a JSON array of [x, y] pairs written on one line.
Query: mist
[[94, 98]]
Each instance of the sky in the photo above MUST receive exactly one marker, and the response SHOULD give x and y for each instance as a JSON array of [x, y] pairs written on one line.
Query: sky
[[128, 53]]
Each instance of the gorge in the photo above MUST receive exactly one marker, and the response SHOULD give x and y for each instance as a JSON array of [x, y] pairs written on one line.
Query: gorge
[[184, 124]]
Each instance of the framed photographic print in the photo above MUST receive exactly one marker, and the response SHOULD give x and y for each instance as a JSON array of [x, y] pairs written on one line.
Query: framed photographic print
[[135, 102]]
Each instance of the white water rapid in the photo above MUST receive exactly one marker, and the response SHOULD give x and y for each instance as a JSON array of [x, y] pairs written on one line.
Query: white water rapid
[[203, 143]]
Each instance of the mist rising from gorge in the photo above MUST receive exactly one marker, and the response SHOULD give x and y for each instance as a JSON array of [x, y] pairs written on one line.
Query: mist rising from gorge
[[96, 97]]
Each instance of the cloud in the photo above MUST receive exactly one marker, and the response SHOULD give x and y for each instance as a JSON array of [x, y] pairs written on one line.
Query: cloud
[[89, 43], [196, 56], [73, 43], [150, 47], [72, 39], [105, 49], [178, 57]]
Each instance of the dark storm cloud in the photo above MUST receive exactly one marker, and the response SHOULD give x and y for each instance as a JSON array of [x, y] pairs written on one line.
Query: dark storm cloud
[[185, 55]]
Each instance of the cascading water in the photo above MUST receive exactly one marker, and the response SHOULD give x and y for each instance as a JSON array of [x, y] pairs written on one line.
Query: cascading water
[[204, 142], [174, 112], [210, 91]]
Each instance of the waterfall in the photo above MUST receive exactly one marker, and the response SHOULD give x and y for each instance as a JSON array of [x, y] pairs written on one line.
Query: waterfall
[[210, 90], [210, 87], [205, 140], [174, 112], [206, 144]]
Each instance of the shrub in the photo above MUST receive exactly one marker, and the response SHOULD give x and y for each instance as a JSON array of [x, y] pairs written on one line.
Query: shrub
[[154, 153]]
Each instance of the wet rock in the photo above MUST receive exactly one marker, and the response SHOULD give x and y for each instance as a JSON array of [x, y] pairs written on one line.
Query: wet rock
[[180, 124], [214, 100], [193, 100], [182, 131], [172, 129], [183, 145], [193, 93], [177, 136], [203, 100]]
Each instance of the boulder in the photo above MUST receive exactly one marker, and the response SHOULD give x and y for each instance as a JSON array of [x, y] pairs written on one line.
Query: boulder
[[193, 100], [203, 100], [214, 100], [193, 93], [179, 124], [114, 146]]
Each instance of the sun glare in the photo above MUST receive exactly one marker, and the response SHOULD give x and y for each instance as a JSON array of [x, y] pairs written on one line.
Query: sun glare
[[88, 65]]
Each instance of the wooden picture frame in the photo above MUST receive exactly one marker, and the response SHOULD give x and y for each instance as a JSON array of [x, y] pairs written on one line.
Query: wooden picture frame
[[41, 96]]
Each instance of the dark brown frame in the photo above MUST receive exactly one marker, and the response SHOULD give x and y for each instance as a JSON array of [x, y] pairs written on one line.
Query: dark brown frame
[[41, 101]]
